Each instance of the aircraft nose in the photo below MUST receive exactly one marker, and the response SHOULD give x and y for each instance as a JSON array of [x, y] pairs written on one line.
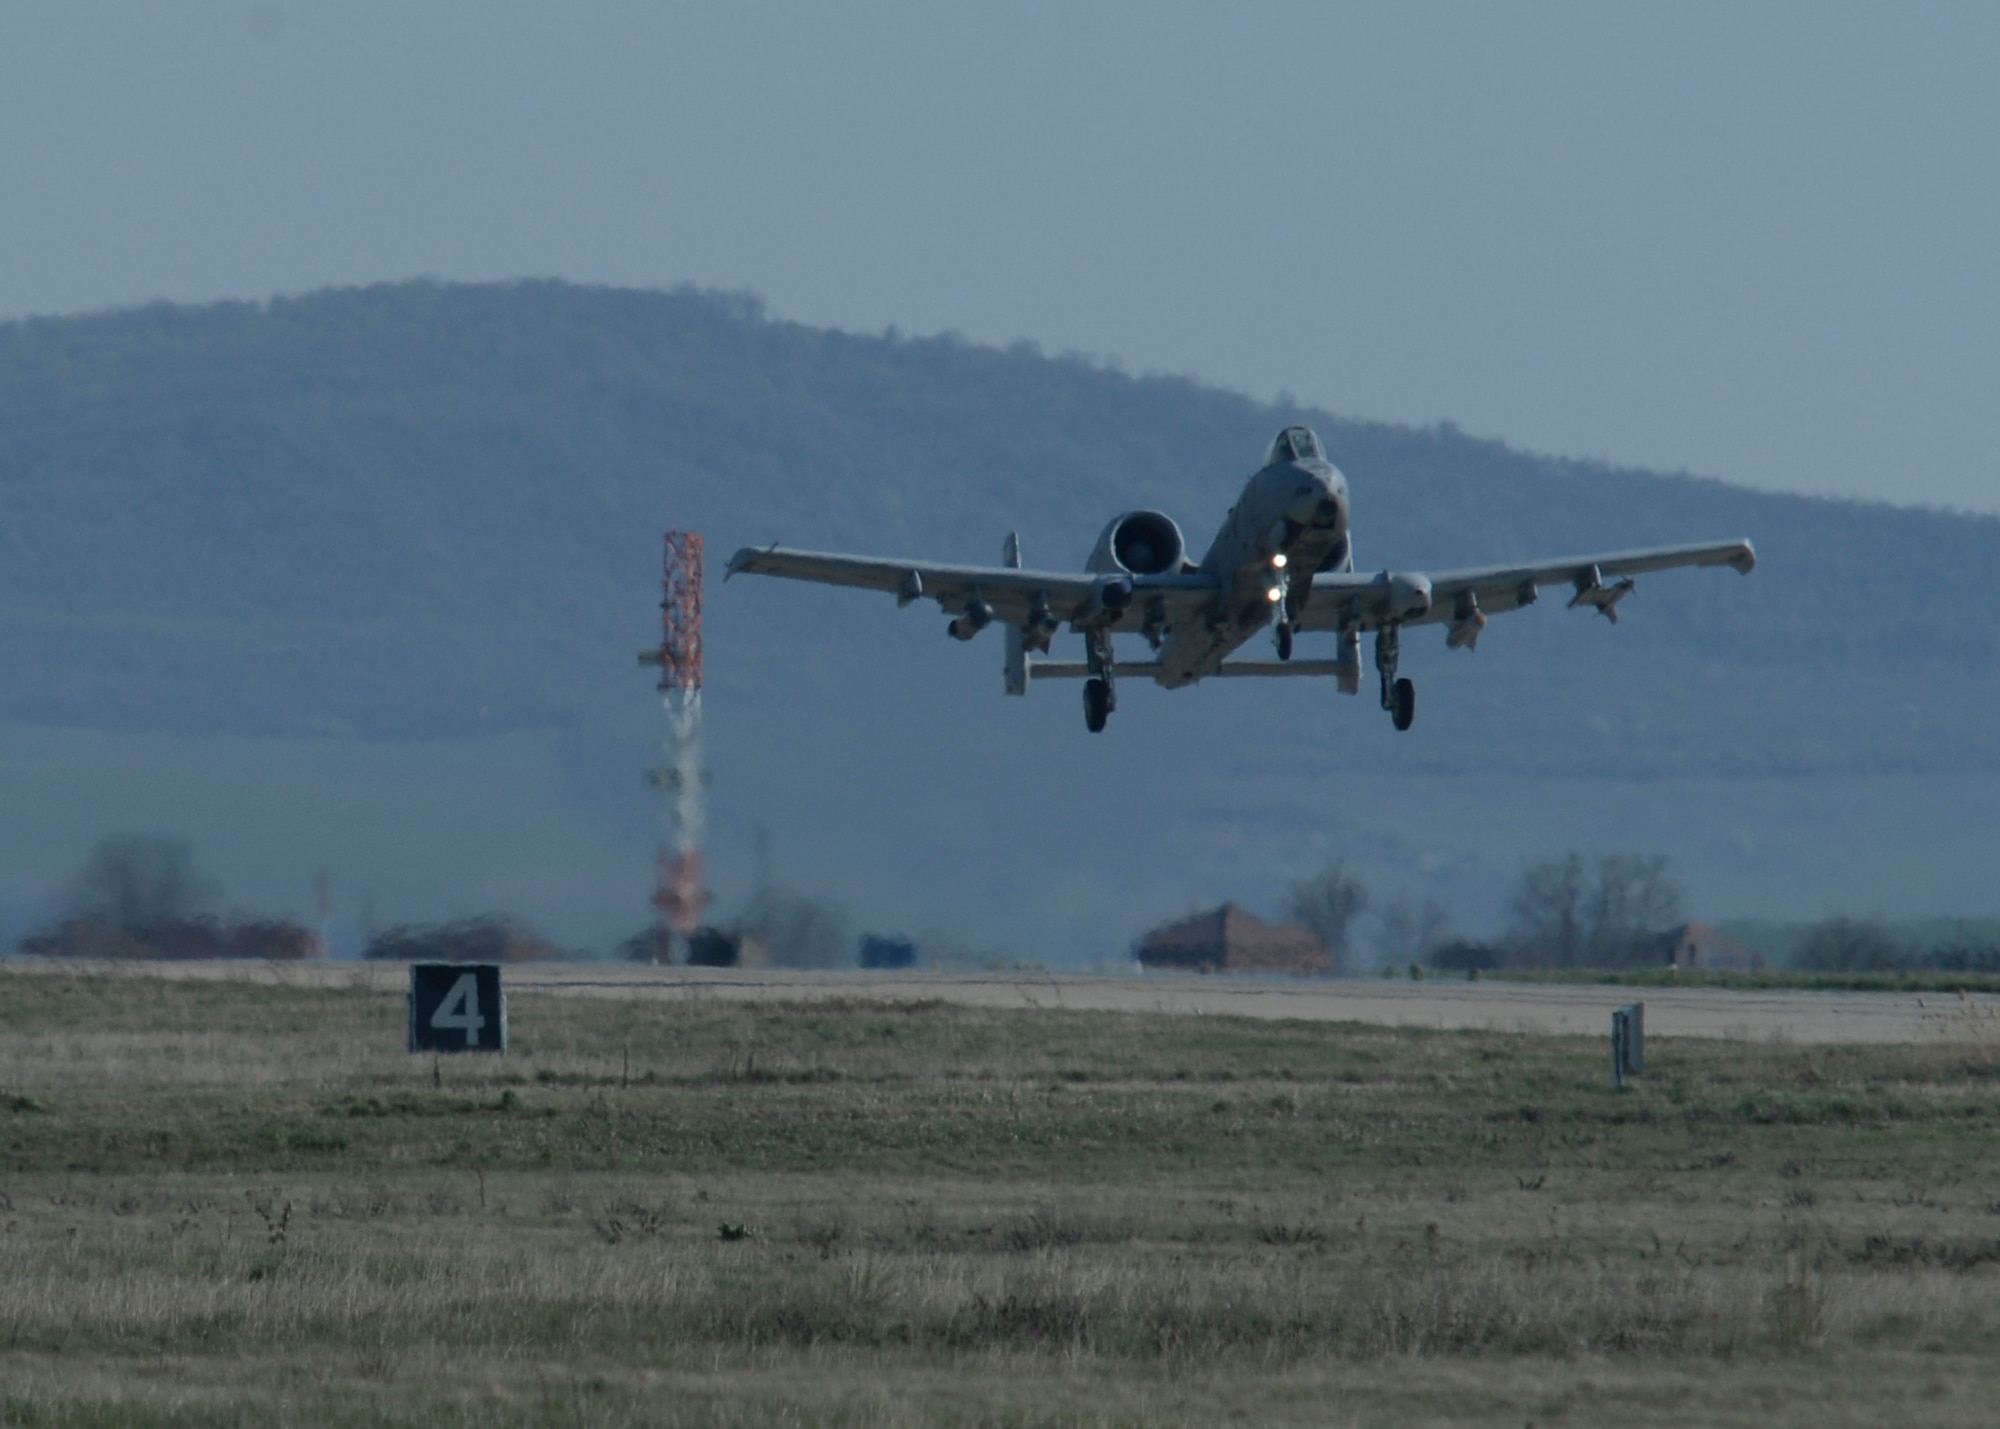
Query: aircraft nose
[[1321, 503]]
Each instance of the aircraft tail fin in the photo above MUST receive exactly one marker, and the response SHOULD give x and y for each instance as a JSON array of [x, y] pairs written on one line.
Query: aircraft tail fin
[[1017, 641]]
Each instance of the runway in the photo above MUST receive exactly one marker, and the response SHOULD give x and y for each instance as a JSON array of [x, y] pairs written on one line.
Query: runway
[[1438, 1003]]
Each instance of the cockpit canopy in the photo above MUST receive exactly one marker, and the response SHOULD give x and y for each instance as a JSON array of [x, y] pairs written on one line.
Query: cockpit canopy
[[1294, 444]]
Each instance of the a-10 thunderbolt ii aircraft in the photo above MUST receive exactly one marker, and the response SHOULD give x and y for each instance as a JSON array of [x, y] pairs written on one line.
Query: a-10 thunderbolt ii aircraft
[[1284, 558]]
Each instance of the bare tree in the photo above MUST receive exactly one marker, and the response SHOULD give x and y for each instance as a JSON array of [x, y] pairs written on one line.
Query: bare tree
[[1409, 930], [1632, 901], [137, 880], [1327, 904], [1850, 945], [1548, 926], [1569, 914]]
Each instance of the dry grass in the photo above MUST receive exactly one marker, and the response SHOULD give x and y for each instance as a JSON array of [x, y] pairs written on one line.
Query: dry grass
[[224, 1204]]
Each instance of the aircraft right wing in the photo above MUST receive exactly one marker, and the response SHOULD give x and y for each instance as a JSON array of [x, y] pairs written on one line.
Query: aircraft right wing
[[1463, 599]]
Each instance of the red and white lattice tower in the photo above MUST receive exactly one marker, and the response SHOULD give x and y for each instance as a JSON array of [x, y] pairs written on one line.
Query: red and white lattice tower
[[682, 893]]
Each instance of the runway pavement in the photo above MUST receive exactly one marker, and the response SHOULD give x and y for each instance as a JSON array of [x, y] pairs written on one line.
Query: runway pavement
[[1778, 1016]]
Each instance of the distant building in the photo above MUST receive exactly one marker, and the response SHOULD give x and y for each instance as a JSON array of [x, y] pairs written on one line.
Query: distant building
[[470, 940], [1696, 945], [1229, 940], [710, 947], [176, 940], [713, 947], [1465, 956], [880, 952]]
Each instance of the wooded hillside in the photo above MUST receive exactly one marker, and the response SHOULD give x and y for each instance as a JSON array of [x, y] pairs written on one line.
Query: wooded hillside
[[431, 512]]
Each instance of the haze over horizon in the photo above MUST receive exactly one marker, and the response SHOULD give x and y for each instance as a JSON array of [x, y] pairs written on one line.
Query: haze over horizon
[[1752, 244], [350, 585]]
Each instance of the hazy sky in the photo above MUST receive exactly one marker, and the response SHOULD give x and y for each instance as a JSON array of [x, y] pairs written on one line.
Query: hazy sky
[[1753, 240]]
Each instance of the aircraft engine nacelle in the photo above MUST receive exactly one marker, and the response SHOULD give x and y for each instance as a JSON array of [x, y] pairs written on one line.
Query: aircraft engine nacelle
[[1409, 596], [1139, 543], [1109, 600]]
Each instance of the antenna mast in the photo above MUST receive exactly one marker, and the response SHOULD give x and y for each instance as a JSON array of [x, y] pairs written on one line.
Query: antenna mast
[[681, 894]]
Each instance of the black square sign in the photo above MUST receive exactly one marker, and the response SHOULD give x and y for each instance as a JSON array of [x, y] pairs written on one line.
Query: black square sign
[[457, 1007]]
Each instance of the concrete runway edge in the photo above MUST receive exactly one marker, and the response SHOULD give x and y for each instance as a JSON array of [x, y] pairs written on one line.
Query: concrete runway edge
[[1438, 1003]]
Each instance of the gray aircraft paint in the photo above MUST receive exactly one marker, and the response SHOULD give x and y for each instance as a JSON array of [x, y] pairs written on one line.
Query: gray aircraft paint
[[1292, 519], [1295, 507]]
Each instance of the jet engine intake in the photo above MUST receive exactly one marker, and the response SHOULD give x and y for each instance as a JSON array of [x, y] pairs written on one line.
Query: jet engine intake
[[1139, 543]]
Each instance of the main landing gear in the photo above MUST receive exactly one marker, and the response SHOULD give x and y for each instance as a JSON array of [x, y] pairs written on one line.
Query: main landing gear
[[1403, 703], [1097, 704], [1100, 694], [1399, 697]]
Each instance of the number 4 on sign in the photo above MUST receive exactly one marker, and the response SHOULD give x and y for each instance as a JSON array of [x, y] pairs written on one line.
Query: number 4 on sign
[[460, 1010]]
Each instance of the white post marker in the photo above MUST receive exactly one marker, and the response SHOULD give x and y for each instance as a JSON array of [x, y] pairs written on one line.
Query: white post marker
[[457, 1007], [1628, 1042]]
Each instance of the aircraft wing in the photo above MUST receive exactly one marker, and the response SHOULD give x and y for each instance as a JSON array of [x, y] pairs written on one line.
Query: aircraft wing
[[1463, 598], [1014, 594]]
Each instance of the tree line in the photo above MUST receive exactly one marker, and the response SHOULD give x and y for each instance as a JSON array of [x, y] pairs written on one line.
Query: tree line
[[142, 896], [1612, 912], [1567, 911]]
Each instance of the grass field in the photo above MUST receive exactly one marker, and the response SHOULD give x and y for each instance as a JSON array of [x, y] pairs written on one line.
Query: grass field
[[224, 1203]]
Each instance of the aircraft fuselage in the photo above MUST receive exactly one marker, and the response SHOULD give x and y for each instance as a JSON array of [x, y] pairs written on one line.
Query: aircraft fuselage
[[1290, 521]]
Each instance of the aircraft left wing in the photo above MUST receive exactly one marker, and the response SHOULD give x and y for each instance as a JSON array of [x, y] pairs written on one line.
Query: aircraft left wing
[[1462, 599], [1010, 594]]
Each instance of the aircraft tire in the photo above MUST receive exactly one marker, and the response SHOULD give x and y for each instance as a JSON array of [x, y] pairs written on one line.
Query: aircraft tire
[[1284, 639], [1096, 704], [1403, 703]]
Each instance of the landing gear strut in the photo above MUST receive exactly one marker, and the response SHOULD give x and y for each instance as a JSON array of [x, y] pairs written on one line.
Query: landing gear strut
[[1100, 694], [1291, 605], [1399, 697]]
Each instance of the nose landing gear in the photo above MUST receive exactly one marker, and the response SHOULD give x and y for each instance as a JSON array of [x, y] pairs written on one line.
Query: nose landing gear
[[1399, 697]]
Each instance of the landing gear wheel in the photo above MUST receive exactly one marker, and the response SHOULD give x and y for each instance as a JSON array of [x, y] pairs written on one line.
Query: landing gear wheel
[[1096, 704], [1403, 703], [1284, 640]]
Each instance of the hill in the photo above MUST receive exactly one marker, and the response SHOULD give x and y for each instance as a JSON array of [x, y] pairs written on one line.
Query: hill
[[394, 548]]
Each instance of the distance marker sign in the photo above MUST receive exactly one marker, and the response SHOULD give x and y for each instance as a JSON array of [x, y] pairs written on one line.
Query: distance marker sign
[[457, 1007]]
